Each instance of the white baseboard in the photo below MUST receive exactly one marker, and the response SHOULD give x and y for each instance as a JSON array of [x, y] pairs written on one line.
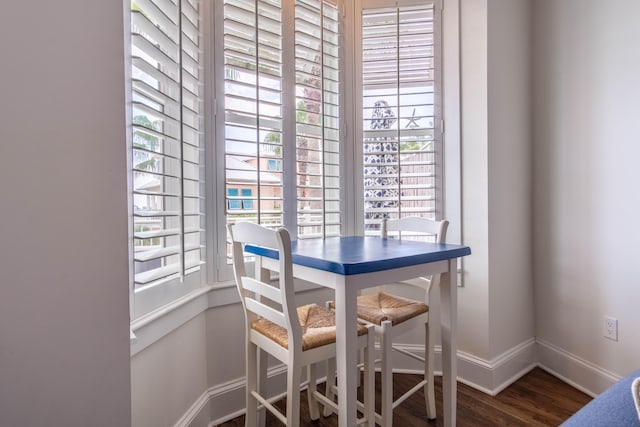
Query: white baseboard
[[490, 377], [493, 376], [225, 401], [579, 373], [197, 415]]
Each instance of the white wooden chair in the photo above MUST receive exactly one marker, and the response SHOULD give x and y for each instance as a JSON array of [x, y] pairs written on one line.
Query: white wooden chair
[[392, 315], [296, 336]]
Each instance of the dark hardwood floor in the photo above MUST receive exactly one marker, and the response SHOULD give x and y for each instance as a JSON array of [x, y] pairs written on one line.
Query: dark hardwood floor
[[537, 399]]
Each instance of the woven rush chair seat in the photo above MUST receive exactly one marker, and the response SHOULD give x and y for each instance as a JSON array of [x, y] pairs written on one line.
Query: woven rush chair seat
[[381, 306], [318, 327]]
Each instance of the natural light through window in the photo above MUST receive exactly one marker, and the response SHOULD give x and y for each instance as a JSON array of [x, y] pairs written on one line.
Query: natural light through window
[[257, 110], [320, 116], [399, 114]]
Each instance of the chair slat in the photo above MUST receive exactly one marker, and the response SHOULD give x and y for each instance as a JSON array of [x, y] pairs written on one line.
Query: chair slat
[[262, 289], [414, 224], [265, 311], [254, 233]]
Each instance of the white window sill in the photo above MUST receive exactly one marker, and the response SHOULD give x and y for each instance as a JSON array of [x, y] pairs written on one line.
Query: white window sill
[[149, 328]]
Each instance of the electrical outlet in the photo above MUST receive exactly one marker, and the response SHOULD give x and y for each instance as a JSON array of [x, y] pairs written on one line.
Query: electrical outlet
[[611, 328]]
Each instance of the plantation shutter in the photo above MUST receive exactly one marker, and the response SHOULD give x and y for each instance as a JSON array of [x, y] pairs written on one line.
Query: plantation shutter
[[167, 151], [317, 71], [256, 114], [399, 113], [253, 111]]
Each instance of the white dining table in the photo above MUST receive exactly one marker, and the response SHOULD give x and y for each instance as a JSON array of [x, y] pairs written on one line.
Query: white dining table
[[349, 264]]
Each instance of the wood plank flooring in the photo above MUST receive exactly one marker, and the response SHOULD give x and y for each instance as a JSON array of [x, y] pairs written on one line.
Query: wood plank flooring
[[537, 399]]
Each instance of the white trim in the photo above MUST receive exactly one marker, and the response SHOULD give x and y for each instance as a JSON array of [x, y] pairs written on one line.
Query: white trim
[[154, 315], [227, 396], [574, 370], [493, 376], [488, 376], [513, 365], [211, 44], [189, 418], [354, 212], [289, 133], [154, 325], [129, 151], [451, 115], [147, 299]]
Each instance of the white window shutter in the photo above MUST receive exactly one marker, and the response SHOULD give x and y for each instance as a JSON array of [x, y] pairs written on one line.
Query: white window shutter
[[317, 71], [256, 113], [400, 113], [253, 111], [167, 153]]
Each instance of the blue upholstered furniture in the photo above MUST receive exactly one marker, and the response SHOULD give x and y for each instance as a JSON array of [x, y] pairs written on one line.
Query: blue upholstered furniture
[[612, 408]]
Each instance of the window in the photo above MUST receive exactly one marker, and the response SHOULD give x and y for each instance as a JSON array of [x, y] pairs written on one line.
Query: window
[[247, 201], [167, 155], [274, 165], [278, 147], [253, 105], [317, 73], [234, 201], [400, 112], [268, 125]]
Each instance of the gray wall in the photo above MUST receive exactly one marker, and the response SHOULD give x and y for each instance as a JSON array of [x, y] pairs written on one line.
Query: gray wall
[[64, 310], [511, 312], [586, 152], [496, 303], [170, 375]]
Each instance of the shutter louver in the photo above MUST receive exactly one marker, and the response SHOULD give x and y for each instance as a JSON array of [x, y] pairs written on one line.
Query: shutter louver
[[399, 113], [167, 153]]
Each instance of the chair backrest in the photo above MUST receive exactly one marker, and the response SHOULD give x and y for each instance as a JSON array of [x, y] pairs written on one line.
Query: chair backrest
[[416, 224], [257, 293]]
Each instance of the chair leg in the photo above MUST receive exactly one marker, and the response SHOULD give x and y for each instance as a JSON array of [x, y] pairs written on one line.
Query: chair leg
[[429, 392], [386, 410], [331, 382], [262, 381], [369, 378], [293, 395], [251, 418], [314, 412]]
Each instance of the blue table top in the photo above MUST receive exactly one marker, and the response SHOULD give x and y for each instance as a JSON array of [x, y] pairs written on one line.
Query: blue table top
[[357, 254]]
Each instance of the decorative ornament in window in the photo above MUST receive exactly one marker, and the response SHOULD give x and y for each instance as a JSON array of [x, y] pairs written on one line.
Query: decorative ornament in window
[[380, 166]]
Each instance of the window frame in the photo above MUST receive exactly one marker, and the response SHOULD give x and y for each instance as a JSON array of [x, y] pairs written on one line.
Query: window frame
[[356, 108], [290, 212], [147, 298], [215, 269]]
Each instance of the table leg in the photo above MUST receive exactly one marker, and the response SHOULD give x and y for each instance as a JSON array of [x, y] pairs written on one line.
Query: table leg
[[346, 355], [448, 322]]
